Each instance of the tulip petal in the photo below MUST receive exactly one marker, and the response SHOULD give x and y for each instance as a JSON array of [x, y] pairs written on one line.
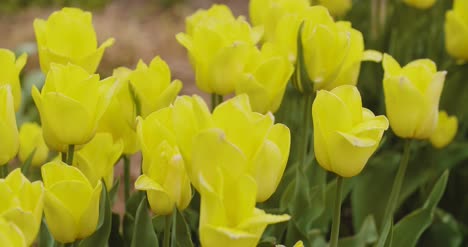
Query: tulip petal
[[212, 236], [160, 201], [390, 66], [25, 221], [60, 221], [89, 218]]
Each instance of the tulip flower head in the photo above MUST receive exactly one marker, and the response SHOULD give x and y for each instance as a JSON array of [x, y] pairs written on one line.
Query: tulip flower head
[[345, 133], [164, 177], [11, 69], [97, 158], [11, 235], [68, 36], [445, 131], [71, 204], [70, 104], [30, 137], [456, 30], [412, 95], [22, 204], [9, 143], [218, 45]]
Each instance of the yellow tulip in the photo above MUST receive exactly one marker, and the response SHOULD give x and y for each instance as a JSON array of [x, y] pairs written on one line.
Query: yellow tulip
[[265, 78], [456, 30], [299, 244], [120, 117], [412, 95], [71, 204], [30, 139], [70, 105], [420, 4], [266, 147], [164, 177], [345, 133], [337, 7], [22, 204], [445, 131], [228, 196], [267, 13], [11, 235], [8, 130], [68, 36], [97, 158], [153, 85], [11, 68], [218, 47]]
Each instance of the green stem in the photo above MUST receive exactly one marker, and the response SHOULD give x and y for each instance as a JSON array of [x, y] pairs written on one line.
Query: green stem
[[174, 225], [337, 213], [4, 171], [126, 161], [71, 151], [397, 183], [216, 99], [306, 118], [64, 157], [167, 230]]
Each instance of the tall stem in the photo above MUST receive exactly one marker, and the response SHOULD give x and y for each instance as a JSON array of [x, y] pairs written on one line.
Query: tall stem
[[64, 157], [216, 99], [4, 171], [126, 161], [174, 225], [337, 213], [306, 118], [167, 230], [71, 151], [397, 183]]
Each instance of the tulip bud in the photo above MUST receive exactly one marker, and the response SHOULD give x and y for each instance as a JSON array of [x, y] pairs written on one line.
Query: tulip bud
[[153, 86], [164, 177], [68, 36], [445, 131], [412, 95], [420, 4], [11, 68], [71, 204], [337, 7], [97, 158], [345, 133], [265, 78], [11, 235], [456, 30], [22, 204], [30, 138], [8, 130], [70, 105], [218, 47]]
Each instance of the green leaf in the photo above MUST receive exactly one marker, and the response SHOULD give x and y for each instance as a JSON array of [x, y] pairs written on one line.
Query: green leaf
[[184, 238], [300, 77], [143, 232], [445, 231], [129, 216], [27, 162], [409, 229], [45, 238], [366, 235], [385, 239], [113, 192], [101, 236]]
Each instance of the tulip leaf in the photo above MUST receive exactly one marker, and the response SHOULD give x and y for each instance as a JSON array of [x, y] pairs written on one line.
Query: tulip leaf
[[300, 77], [143, 232], [115, 239], [101, 236], [445, 231], [114, 191], [366, 235], [182, 229], [27, 162], [129, 217], [45, 237], [409, 229]]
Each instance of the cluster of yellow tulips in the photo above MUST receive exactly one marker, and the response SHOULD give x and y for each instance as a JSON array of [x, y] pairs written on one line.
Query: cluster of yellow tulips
[[234, 155]]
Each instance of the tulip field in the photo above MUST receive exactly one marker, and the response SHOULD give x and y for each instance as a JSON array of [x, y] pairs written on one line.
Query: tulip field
[[316, 123]]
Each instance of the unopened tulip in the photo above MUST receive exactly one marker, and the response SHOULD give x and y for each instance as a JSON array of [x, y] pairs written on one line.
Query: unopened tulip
[[8, 130], [68, 36], [445, 131], [97, 158], [11, 235], [456, 30], [420, 4], [11, 68], [218, 45], [70, 104], [412, 95], [30, 137], [22, 204], [345, 133], [71, 204]]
